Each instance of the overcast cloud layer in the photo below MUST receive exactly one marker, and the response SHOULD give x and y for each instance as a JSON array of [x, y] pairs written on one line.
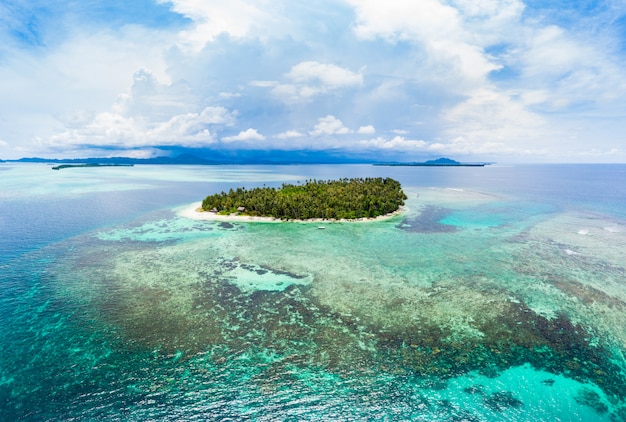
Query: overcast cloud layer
[[493, 80]]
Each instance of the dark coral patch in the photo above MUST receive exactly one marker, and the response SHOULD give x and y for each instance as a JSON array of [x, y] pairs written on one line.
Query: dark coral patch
[[428, 221], [592, 399], [502, 400]]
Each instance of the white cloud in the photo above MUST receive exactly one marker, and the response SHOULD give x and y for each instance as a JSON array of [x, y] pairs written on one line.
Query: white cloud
[[191, 127], [397, 20], [329, 125], [150, 114], [396, 143], [237, 18], [570, 68], [264, 84], [246, 135], [492, 120], [473, 147], [114, 130], [155, 100], [328, 76], [290, 134], [309, 79], [477, 76], [138, 153], [559, 70], [477, 22], [82, 73], [454, 56], [366, 130], [230, 94]]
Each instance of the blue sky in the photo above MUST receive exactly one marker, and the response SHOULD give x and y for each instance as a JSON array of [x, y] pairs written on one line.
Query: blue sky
[[492, 80]]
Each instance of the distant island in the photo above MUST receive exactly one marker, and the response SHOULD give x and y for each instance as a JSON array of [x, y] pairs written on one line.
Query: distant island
[[344, 199], [439, 162], [210, 157], [255, 157], [181, 159], [66, 166]]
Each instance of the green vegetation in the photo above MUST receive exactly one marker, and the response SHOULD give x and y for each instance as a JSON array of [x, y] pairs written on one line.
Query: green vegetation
[[333, 199], [69, 166], [439, 162]]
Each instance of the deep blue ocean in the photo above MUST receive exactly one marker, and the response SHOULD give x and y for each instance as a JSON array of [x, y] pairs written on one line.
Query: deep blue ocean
[[499, 293]]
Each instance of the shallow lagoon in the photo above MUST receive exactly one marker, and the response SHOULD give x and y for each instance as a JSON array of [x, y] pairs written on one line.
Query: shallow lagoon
[[499, 294]]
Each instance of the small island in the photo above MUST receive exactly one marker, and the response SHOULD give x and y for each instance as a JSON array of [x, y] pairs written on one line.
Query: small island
[[344, 199], [439, 162], [69, 166]]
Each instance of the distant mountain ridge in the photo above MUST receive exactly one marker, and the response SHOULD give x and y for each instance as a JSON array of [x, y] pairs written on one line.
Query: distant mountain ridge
[[181, 159], [217, 158], [238, 157], [439, 162]]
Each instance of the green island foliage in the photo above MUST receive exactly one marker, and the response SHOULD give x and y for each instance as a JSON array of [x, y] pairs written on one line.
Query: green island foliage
[[70, 166], [332, 199]]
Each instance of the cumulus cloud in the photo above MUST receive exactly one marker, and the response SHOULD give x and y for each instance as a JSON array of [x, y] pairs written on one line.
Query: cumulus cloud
[[150, 114], [569, 69], [114, 130], [154, 99], [210, 18], [290, 134], [246, 135], [191, 127], [310, 78], [230, 94], [490, 115], [463, 43], [473, 76], [327, 75], [366, 130], [452, 53], [396, 143], [329, 125]]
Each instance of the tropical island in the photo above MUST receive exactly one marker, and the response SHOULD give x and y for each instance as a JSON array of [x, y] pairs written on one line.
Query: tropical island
[[343, 199], [69, 166], [439, 162]]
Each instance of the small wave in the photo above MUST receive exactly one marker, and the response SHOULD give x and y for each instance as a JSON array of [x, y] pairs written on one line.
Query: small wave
[[583, 232], [571, 252]]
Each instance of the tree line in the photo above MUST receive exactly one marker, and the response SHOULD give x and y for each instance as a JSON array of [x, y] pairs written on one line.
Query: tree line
[[331, 199]]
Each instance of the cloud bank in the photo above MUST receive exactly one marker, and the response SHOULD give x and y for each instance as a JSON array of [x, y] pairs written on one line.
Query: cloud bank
[[490, 80]]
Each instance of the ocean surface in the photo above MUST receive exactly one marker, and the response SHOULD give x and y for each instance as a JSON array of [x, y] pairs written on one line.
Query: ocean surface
[[499, 294]]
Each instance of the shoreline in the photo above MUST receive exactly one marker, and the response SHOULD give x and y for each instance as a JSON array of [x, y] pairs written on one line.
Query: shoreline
[[194, 212]]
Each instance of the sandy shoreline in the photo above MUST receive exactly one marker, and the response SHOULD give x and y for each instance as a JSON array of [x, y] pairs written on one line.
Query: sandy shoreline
[[194, 212]]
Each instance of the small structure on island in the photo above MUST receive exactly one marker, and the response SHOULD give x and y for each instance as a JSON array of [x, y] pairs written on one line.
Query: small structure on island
[[213, 210], [241, 209]]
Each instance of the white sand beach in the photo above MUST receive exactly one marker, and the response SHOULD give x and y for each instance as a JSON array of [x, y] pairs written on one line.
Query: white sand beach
[[195, 212]]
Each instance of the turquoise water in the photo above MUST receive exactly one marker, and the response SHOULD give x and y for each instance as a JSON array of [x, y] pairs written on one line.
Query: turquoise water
[[498, 294]]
